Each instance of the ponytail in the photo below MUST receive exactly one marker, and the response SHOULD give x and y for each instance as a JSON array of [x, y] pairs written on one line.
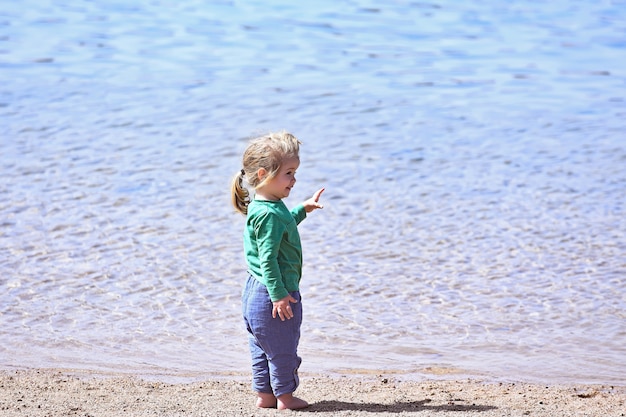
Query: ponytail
[[239, 193]]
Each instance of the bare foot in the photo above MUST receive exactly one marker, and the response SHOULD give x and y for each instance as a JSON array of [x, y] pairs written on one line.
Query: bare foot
[[289, 402], [265, 400]]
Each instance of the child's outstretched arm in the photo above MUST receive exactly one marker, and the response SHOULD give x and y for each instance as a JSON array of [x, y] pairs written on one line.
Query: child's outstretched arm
[[313, 202]]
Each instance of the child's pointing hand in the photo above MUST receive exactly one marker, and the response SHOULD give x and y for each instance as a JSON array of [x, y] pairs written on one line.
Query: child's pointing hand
[[313, 202]]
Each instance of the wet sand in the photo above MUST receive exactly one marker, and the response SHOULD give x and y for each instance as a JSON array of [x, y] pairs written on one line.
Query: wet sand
[[76, 393]]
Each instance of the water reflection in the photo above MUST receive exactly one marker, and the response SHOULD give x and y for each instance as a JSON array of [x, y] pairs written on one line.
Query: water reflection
[[472, 157]]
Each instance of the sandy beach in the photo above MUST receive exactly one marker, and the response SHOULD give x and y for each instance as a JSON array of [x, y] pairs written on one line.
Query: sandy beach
[[78, 393]]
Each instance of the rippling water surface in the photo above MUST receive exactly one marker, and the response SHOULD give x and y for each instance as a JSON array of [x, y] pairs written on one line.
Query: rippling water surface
[[473, 154]]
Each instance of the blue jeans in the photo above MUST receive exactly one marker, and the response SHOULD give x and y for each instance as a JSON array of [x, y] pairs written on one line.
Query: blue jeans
[[273, 343]]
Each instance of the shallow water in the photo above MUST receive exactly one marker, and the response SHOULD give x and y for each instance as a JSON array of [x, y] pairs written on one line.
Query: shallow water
[[473, 156]]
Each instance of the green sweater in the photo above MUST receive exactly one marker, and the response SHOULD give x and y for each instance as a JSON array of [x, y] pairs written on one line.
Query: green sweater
[[272, 246]]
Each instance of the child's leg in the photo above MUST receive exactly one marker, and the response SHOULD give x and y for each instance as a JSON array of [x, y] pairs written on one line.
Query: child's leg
[[261, 376], [260, 366], [284, 360], [278, 340]]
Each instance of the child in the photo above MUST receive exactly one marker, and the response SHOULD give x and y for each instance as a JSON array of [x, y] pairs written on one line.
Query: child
[[271, 299]]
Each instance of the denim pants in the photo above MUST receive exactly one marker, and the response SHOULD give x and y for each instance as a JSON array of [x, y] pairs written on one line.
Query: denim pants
[[273, 343]]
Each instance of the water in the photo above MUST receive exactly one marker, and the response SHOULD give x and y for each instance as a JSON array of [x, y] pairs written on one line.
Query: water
[[473, 156]]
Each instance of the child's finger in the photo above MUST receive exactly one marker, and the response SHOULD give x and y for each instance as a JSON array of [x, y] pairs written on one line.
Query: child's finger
[[317, 194]]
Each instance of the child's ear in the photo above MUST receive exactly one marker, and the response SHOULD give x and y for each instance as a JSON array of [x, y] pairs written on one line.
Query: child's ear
[[261, 173]]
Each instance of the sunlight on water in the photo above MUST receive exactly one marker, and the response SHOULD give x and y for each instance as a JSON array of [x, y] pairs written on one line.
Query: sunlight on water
[[473, 157]]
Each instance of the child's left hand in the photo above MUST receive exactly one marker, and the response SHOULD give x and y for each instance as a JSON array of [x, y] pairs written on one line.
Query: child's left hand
[[313, 202]]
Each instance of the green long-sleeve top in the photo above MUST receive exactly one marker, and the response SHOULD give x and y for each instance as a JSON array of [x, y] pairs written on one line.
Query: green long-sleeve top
[[272, 246]]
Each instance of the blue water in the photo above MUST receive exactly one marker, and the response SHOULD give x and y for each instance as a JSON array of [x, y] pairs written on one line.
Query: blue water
[[473, 157]]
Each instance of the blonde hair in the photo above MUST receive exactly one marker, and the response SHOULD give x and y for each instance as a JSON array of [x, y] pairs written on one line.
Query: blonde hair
[[267, 152]]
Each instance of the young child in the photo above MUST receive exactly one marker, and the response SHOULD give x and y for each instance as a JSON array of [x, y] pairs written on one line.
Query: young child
[[271, 298]]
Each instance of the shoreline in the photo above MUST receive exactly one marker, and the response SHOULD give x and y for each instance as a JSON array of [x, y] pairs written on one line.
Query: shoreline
[[69, 392]]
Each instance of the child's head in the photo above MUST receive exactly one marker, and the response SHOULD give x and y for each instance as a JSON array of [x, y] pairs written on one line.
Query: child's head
[[266, 152]]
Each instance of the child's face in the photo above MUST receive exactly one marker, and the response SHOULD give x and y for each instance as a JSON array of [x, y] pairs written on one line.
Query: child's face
[[280, 186]]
